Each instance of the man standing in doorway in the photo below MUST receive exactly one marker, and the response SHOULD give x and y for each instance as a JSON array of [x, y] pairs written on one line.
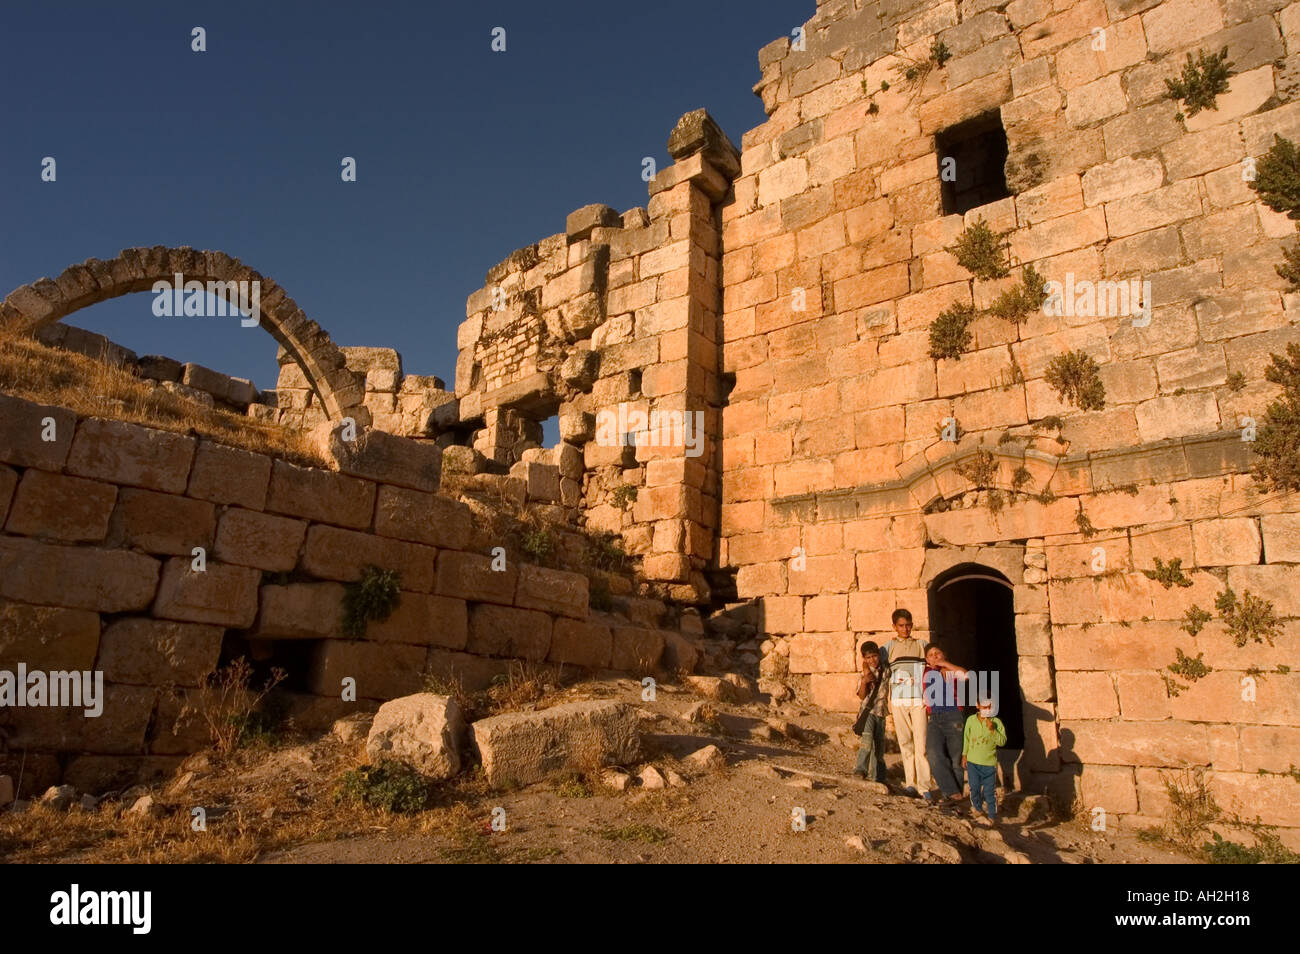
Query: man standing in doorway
[[903, 657]]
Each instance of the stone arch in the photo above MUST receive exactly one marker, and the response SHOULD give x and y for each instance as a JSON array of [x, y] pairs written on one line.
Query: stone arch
[[46, 300]]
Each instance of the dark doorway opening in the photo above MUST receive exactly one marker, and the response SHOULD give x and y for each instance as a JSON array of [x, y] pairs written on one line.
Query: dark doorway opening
[[972, 617], [972, 163]]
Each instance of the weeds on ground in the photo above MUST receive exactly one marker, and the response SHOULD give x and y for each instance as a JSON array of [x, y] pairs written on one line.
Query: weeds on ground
[[231, 708], [390, 786]]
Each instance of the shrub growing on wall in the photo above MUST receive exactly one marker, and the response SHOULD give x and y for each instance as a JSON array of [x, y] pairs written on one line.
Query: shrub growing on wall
[[1203, 79], [981, 251], [1076, 377], [1277, 445], [950, 335], [374, 596]]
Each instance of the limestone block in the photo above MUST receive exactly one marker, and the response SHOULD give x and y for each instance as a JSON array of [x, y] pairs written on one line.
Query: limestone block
[[129, 454], [320, 495], [505, 631], [381, 670], [335, 554], [300, 611], [108, 581], [422, 517], [56, 507], [555, 591], [519, 748], [162, 523], [636, 649], [226, 475], [424, 620], [585, 643], [226, 595], [158, 652], [424, 731], [470, 576], [388, 458], [249, 538], [47, 637]]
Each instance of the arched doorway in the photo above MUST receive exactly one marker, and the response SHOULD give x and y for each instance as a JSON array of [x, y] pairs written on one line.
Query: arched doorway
[[972, 616]]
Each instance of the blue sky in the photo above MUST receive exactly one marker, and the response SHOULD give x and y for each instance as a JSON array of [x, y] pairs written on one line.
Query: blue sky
[[462, 154]]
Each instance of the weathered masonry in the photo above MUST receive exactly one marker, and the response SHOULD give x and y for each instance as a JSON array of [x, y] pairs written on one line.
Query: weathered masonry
[[792, 294]]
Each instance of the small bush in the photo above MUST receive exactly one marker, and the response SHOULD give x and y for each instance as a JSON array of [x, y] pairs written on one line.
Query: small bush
[[605, 552], [1168, 574], [1076, 377], [1194, 620], [1277, 444], [950, 335], [374, 596], [1203, 80], [1250, 618], [231, 709], [981, 469], [1277, 177], [1192, 808], [1192, 668], [1022, 299], [981, 251], [389, 786], [939, 53], [538, 543], [623, 496], [1236, 381]]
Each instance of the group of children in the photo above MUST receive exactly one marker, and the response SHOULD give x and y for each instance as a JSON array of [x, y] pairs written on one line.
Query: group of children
[[916, 684]]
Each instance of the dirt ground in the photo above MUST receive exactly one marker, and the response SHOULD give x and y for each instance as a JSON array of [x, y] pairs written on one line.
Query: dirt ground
[[277, 806]]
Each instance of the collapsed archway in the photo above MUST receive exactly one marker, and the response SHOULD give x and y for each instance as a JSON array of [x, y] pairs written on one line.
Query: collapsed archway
[[972, 616], [45, 301]]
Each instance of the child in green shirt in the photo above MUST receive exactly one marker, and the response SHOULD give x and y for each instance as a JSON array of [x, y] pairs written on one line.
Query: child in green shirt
[[983, 734]]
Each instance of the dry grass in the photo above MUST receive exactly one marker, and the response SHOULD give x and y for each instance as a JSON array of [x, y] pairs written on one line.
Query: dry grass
[[37, 372], [266, 812]]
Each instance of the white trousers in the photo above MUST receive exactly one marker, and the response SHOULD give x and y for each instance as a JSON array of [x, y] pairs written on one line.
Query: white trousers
[[909, 726]]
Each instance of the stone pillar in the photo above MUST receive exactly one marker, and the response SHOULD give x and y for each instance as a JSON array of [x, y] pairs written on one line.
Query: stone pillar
[[679, 499]]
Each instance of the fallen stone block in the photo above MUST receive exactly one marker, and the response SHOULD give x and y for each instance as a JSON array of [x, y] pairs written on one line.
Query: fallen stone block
[[424, 730], [526, 747]]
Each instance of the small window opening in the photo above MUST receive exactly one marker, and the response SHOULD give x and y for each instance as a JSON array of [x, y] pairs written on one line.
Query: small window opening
[[972, 163]]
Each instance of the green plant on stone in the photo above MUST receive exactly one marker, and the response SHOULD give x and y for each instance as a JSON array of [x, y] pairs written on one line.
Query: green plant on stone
[[374, 596], [623, 496], [538, 543], [980, 469], [950, 335], [1236, 381], [605, 552], [1203, 80], [1168, 574], [1247, 619], [939, 53], [1277, 177], [1194, 620], [981, 251], [1023, 298], [1191, 668], [390, 786], [1076, 377], [1277, 443], [1085, 525]]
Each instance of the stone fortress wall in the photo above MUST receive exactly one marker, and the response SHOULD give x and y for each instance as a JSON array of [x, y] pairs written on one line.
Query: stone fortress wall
[[785, 291]]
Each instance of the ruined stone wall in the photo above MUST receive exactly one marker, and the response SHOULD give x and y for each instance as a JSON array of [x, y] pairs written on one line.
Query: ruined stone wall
[[834, 265], [96, 573], [614, 318]]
